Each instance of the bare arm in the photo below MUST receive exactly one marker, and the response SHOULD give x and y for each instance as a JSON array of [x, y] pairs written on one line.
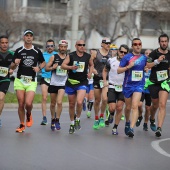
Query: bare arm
[[91, 68], [65, 65], [49, 66], [156, 62], [123, 69]]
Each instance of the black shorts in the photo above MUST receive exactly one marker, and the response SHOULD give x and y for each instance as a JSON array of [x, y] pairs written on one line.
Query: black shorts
[[55, 89], [154, 90], [96, 83], [147, 98], [114, 96], [4, 85], [42, 81]]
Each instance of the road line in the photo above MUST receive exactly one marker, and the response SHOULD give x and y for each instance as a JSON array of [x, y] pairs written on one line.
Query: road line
[[155, 145]]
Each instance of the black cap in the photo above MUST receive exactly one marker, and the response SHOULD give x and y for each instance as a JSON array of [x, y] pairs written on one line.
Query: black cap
[[28, 31]]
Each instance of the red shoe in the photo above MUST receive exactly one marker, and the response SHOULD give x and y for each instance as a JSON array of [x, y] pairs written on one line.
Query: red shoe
[[29, 121]]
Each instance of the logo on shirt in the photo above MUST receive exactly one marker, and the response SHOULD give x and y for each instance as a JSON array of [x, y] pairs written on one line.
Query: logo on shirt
[[23, 54], [28, 62]]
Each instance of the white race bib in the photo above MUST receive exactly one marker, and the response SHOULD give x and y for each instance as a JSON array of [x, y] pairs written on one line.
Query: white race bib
[[162, 75], [80, 67], [3, 71], [137, 75], [61, 72], [102, 83], [26, 80]]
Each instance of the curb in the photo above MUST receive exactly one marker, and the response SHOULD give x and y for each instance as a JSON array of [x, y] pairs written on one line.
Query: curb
[[35, 106]]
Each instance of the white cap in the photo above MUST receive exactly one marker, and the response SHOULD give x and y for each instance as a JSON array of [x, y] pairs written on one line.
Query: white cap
[[63, 42]]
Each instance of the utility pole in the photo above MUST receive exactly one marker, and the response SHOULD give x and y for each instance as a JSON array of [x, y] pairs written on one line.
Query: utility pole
[[75, 23]]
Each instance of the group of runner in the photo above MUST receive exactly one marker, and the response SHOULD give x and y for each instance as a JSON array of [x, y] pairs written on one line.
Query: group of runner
[[110, 77]]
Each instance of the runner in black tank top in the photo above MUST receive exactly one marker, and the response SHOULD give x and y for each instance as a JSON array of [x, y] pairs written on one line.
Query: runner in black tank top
[[77, 64]]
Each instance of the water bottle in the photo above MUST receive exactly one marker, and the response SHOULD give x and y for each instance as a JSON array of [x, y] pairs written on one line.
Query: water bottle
[[77, 64]]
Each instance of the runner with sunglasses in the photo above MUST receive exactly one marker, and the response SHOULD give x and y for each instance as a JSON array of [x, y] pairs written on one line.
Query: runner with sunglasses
[[133, 65], [45, 80], [100, 58], [115, 95], [159, 62], [77, 63]]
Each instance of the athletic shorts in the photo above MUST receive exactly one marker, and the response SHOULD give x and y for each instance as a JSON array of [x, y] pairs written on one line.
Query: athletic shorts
[[55, 89], [73, 90], [96, 84], [154, 90], [4, 85], [128, 91], [114, 96], [147, 98], [20, 86], [89, 88], [45, 81]]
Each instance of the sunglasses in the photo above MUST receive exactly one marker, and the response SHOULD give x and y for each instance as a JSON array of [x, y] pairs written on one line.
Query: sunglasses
[[48, 46], [81, 45], [136, 44], [123, 52], [107, 43]]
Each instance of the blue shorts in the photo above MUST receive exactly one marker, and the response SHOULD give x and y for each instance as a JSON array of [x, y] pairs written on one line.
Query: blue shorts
[[128, 91], [89, 88], [73, 90]]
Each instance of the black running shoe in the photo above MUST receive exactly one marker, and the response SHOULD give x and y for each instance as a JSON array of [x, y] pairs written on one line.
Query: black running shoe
[[71, 130], [77, 125], [139, 121], [145, 127], [158, 132]]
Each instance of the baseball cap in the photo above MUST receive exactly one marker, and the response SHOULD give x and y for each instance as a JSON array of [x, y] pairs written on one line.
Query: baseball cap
[[63, 42], [106, 40], [113, 47], [28, 31]]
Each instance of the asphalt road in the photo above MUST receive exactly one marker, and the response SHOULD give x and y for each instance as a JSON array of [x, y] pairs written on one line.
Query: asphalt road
[[39, 148]]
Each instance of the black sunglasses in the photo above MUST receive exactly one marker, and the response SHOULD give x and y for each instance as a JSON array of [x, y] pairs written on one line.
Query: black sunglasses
[[123, 52], [81, 45], [107, 43], [48, 46]]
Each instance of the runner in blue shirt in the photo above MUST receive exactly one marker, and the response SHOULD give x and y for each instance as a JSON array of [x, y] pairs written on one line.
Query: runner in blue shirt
[[133, 65], [45, 80]]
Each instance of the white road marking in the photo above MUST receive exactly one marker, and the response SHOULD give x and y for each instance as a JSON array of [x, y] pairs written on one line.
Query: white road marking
[[155, 145]]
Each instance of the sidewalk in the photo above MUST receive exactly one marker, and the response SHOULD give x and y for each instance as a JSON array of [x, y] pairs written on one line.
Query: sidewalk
[[35, 106]]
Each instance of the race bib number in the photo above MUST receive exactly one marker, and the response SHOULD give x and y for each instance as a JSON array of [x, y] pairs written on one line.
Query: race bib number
[[26, 80], [162, 75], [3, 71], [137, 75], [118, 88], [61, 72], [80, 66], [47, 80]]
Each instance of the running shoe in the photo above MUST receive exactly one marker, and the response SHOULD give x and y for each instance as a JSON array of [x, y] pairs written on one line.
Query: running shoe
[[127, 127], [57, 125], [96, 125], [110, 119], [145, 127], [71, 130], [158, 132], [106, 123], [0, 123], [139, 121], [152, 125], [44, 121], [77, 125], [130, 132], [84, 104], [123, 117], [88, 114], [53, 125], [114, 131], [20, 128], [101, 122], [29, 121]]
